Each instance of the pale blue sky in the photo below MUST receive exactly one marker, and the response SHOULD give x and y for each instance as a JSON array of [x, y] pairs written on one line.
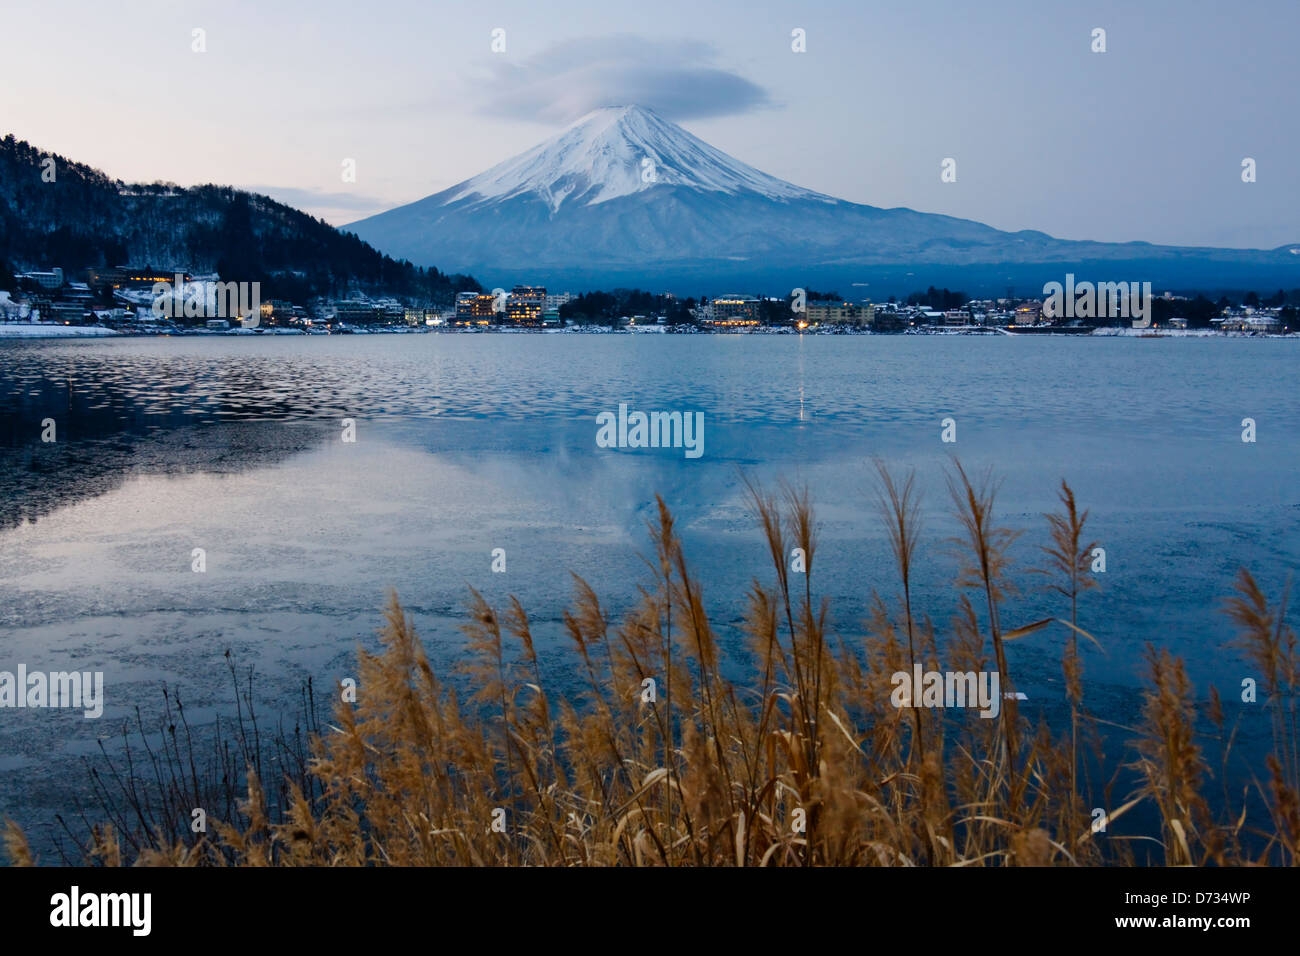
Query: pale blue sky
[[1142, 142]]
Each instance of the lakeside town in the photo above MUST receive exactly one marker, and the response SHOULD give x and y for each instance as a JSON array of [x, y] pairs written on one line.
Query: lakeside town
[[130, 300]]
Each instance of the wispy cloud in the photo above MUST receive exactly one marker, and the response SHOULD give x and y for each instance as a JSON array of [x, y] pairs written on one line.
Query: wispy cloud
[[679, 79], [310, 199]]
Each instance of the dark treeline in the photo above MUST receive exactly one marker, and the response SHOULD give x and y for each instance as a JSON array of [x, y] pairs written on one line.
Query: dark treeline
[[55, 212], [941, 299], [606, 308], [1200, 310]]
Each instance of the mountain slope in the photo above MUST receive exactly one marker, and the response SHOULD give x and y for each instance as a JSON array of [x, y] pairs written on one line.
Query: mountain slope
[[626, 196], [618, 152], [84, 219]]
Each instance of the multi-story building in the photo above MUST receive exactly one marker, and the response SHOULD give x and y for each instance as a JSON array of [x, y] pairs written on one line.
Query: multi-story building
[[356, 312], [1029, 313], [475, 308], [131, 277], [525, 305], [390, 311], [556, 299], [46, 280], [465, 305], [67, 313], [839, 313], [735, 310], [422, 317]]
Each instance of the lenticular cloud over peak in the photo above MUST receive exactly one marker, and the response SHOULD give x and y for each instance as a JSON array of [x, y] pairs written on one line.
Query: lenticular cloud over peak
[[680, 79]]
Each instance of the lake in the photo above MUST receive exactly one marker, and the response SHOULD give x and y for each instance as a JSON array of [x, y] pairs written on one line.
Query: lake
[[469, 443]]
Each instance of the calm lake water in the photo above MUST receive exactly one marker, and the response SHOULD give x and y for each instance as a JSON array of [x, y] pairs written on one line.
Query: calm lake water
[[466, 443]]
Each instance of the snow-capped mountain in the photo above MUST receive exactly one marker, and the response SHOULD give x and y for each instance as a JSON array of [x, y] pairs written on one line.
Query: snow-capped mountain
[[617, 152], [624, 196]]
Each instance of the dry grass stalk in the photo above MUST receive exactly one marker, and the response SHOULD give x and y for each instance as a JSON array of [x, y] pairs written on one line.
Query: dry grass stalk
[[661, 759]]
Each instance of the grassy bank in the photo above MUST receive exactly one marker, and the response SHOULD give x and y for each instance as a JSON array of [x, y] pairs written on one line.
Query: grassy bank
[[663, 761]]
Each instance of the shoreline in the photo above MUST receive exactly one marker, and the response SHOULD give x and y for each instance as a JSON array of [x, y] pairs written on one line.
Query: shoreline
[[26, 331]]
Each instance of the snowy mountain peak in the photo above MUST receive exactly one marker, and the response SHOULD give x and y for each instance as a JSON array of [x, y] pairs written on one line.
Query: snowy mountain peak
[[617, 151], [624, 197]]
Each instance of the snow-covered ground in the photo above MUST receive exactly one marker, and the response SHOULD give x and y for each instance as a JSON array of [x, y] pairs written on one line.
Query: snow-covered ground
[[26, 330], [1182, 333]]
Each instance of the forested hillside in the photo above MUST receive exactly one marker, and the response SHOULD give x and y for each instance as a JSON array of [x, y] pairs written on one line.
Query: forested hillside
[[76, 217]]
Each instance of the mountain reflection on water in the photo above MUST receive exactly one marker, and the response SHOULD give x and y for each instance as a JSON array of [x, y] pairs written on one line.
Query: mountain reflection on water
[[135, 416], [470, 443]]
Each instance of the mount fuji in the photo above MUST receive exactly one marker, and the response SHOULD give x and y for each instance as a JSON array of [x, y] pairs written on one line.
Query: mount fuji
[[626, 197]]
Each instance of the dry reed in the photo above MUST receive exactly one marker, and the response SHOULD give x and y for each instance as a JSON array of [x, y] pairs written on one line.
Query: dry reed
[[659, 759]]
